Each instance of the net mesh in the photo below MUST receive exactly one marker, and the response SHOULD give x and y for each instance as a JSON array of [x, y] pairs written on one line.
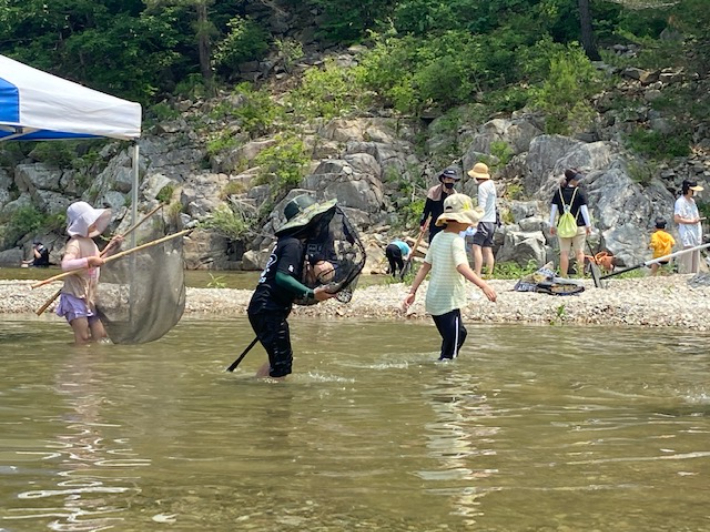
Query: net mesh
[[335, 256], [142, 296]]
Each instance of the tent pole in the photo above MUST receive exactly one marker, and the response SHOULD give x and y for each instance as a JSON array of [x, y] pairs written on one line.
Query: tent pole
[[134, 190]]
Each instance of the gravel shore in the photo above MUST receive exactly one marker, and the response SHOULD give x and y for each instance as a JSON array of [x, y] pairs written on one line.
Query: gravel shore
[[653, 302]]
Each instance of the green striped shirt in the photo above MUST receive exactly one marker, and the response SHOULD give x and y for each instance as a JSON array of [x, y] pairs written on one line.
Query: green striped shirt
[[447, 287]]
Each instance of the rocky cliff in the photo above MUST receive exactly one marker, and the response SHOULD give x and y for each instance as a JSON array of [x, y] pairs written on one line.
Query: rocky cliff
[[370, 161]]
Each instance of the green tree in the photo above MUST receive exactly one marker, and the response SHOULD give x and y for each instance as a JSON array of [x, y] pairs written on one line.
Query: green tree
[[204, 30], [347, 21]]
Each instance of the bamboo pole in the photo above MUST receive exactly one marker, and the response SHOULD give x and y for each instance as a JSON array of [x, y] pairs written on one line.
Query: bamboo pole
[[116, 256], [408, 264], [135, 226]]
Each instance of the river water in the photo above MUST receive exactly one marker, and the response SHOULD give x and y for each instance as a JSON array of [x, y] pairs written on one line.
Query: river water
[[531, 429]]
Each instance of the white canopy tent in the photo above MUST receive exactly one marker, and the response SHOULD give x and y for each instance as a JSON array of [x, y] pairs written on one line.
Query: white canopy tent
[[35, 105]]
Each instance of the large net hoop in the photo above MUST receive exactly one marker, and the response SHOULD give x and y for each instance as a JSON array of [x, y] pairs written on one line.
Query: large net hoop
[[334, 242], [142, 296]]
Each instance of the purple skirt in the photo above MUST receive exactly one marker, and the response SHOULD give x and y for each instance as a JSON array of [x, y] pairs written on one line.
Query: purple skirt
[[72, 307]]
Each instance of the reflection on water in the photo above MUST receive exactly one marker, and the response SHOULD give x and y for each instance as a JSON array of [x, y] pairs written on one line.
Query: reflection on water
[[89, 467], [456, 438], [532, 428]]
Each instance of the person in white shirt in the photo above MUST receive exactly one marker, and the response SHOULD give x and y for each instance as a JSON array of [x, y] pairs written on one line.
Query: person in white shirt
[[690, 230], [482, 248]]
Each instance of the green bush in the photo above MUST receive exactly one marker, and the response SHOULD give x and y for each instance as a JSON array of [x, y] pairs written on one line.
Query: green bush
[[642, 171], [166, 194], [161, 112], [565, 94], [226, 222], [291, 51], [658, 146], [23, 221], [222, 141], [245, 41], [256, 113], [191, 86], [282, 163], [57, 154], [232, 188], [326, 93]]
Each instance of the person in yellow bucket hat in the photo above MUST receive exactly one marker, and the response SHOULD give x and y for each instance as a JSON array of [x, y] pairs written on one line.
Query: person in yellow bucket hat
[[447, 261], [482, 246]]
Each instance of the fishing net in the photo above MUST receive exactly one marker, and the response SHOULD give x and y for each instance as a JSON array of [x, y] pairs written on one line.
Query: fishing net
[[334, 255], [142, 296]]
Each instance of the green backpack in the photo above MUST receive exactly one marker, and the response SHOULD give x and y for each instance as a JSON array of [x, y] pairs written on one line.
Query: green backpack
[[567, 225]]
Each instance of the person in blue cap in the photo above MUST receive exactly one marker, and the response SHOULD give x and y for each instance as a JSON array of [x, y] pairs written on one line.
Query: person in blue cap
[[434, 206]]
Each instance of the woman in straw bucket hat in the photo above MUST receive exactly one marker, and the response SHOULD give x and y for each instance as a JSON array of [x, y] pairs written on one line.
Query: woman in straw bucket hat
[[435, 198], [448, 263], [482, 248], [281, 284]]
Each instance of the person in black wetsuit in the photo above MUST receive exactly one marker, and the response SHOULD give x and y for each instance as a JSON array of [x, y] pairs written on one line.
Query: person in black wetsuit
[[281, 283]]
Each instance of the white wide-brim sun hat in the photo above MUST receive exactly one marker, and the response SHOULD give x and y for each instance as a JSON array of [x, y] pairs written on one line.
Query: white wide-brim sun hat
[[81, 216]]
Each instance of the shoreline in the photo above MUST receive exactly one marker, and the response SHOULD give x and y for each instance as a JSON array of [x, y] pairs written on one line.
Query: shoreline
[[664, 301]]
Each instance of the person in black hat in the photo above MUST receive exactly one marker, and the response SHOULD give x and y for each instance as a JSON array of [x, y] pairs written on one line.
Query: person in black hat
[[40, 256], [281, 284], [690, 231], [434, 206]]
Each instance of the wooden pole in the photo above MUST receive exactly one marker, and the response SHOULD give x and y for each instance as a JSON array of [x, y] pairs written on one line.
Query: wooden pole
[[414, 249], [116, 256], [135, 226]]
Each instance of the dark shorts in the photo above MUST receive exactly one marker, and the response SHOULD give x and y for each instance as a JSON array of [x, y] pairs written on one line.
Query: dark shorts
[[394, 257], [484, 234], [272, 330]]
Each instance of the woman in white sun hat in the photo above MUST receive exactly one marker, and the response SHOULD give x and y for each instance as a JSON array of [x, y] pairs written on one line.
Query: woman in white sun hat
[[77, 302]]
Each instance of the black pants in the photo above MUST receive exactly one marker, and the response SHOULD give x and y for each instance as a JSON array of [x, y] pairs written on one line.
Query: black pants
[[394, 256], [452, 332], [272, 330]]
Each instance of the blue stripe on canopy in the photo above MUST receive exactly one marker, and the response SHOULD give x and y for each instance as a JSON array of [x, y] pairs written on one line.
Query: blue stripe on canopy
[[9, 102], [47, 135]]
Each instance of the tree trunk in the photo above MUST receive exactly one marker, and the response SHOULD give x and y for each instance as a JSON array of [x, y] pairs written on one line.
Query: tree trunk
[[203, 38], [585, 19]]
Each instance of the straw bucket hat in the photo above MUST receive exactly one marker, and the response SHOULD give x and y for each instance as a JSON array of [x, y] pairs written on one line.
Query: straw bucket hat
[[479, 171], [459, 208]]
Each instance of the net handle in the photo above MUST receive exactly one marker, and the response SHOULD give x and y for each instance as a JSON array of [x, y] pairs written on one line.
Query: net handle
[[116, 256]]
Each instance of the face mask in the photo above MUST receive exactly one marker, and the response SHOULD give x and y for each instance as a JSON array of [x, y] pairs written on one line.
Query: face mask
[[449, 186]]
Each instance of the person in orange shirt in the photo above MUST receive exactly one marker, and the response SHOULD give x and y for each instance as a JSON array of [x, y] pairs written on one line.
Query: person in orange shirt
[[661, 243]]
